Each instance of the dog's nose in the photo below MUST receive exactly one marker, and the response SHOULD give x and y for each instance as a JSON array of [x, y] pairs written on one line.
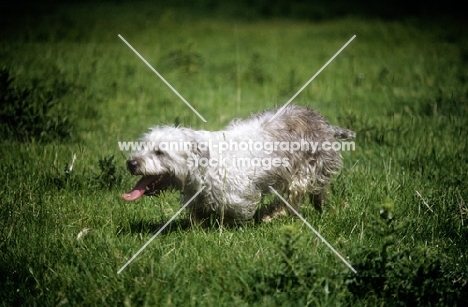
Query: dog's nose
[[132, 165]]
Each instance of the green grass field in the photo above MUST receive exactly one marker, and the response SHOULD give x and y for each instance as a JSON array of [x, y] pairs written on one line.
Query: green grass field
[[70, 86]]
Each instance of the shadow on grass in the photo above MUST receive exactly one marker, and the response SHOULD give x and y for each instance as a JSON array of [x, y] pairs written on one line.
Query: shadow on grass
[[181, 225], [151, 227]]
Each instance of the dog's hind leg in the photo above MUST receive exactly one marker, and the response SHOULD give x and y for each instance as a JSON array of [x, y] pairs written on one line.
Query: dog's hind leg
[[297, 190], [318, 200]]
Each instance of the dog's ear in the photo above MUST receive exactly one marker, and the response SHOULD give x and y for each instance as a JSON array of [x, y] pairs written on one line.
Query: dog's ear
[[203, 152], [200, 148]]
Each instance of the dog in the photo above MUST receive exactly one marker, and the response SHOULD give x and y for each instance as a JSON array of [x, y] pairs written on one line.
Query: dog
[[282, 148]]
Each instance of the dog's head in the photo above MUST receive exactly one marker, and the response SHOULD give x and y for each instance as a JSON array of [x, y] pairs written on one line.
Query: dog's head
[[162, 160]]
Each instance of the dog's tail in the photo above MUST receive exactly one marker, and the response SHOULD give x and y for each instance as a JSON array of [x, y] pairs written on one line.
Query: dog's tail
[[343, 134]]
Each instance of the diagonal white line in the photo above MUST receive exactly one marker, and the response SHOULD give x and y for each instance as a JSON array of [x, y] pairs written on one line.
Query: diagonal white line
[[162, 78], [160, 230], [313, 77], [315, 231]]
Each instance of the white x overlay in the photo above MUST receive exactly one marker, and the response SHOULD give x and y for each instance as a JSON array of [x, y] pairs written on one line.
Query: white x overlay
[[271, 188]]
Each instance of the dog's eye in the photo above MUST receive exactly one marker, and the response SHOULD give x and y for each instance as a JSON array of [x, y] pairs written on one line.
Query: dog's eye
[[158, 152]]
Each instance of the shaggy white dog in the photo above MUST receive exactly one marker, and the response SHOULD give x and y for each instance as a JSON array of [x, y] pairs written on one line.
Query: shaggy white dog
[[294, 153]]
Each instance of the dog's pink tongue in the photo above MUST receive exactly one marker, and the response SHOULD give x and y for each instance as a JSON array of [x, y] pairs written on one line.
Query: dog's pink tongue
[[139, 188]]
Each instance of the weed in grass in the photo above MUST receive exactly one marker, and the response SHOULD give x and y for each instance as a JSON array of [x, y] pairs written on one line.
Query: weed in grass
[[185, 59], [110, 176], [255, 71]]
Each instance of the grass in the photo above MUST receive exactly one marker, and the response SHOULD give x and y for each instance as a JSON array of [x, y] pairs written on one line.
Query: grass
[[397, 211]]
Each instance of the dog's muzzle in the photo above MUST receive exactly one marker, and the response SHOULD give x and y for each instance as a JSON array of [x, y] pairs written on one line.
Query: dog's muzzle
[[132, 166]]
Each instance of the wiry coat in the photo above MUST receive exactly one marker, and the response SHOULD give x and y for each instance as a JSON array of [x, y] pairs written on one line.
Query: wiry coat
[[234, 190]]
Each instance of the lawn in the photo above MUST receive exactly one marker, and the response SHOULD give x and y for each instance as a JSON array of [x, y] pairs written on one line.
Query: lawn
[[71, 89]]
